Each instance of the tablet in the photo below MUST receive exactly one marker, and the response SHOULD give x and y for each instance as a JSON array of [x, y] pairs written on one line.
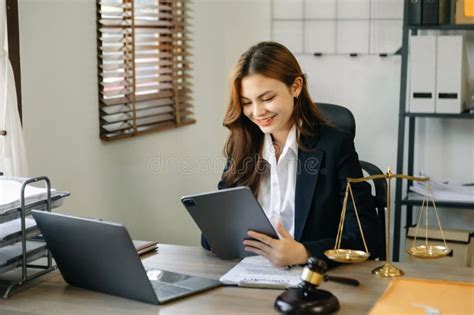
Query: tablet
[[225, 216]]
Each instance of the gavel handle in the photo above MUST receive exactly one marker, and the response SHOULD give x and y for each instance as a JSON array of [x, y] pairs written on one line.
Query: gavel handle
[[343, 280]]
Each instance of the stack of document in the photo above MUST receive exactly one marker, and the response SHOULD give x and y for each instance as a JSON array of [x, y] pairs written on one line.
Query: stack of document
[[256, 271], [444, 190], [10, 191], [11, 230]]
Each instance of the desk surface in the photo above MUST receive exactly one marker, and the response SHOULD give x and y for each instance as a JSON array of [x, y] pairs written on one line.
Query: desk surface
[[51, 295]]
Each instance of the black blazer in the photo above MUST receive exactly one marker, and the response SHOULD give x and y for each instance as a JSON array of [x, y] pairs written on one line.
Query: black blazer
[[319, 195]]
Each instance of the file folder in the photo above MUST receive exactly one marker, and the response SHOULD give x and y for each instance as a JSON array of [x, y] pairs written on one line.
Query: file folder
[[435, 12], [414, 12], [430, 12], [422, 74], [451, 75]]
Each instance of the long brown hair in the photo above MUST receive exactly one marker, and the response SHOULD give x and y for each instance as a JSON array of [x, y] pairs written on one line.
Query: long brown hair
[[245, 141]]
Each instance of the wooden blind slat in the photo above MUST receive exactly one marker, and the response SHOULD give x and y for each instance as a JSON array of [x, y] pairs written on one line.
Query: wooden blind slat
[[127, 99], [141, 90], [143, 31], [124, 107], [146, 113], [151, 47], [119, 39], [139, 121], [125, 126], [119, 53], [142, 106], [124, 111]]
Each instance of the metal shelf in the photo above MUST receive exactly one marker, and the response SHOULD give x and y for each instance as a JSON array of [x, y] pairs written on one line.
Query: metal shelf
[[407, 127], [460, 27], [335, 19], [435, 115], [12, 231], [412, 200], [13, 212], [13, 257]]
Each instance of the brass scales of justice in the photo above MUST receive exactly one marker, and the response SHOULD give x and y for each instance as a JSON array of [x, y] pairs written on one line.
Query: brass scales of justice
[[425, 250]]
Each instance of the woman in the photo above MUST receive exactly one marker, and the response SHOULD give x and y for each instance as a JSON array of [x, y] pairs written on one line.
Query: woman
[[296, 164]]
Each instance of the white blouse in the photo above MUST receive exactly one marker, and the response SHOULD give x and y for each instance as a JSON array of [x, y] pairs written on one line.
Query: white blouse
[[277, 189]]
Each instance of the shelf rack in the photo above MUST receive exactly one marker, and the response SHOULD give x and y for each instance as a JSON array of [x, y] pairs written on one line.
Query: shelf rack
[[410, 201], [29, 249]]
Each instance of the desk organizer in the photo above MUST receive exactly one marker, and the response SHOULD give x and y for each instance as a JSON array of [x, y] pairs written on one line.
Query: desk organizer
[[20, 240]]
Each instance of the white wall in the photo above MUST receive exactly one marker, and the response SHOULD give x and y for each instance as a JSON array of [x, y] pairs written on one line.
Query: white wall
[[120, 181]]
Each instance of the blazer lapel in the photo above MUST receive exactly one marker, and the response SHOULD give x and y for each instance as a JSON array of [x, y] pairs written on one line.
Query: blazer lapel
[[306, 178]]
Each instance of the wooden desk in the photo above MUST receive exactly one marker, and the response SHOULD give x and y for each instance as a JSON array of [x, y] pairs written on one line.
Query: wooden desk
[[51, 295]]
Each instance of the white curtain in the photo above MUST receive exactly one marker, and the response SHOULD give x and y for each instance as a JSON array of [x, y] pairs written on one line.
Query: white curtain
[[12, 146]]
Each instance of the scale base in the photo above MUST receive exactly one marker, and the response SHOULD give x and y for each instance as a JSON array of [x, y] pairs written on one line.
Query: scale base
[[387, 270]]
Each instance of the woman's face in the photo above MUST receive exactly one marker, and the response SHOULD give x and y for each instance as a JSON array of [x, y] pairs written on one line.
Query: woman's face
[[268, 102]]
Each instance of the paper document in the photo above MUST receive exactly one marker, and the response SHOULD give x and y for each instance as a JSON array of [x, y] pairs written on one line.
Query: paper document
[[14, 227], [257, 271], [10, 191], [444, 190]]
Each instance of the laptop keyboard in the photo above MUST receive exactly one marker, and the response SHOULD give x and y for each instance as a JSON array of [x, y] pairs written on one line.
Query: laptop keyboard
[[165, 289]]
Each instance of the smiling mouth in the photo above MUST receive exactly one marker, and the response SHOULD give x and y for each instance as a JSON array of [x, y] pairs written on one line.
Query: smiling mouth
[[266, 121]]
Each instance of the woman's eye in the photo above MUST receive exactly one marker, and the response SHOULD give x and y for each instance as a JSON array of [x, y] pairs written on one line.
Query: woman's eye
[[269, 99], [246, 103]]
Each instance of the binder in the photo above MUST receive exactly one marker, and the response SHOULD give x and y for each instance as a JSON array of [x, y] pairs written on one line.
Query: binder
[[414, 12], [451, 75], [422, 74], [430, 12], [445, 8], [435, 12]]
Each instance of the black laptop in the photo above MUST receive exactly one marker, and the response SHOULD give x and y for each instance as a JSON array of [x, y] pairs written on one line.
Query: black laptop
[[100, 256]]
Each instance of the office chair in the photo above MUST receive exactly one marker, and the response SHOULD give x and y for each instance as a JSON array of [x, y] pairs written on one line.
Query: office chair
[[342, 118]]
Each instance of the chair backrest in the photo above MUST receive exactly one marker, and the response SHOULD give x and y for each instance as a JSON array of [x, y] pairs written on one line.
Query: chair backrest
[[338, 116], [342, 118]]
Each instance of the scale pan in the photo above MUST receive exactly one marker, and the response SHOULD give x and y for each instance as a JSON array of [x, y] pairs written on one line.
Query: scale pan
[[430, 251], [347, 255]]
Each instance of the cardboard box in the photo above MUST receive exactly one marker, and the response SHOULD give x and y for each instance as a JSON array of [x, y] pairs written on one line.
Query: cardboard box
[[464, 9], [460, 241]]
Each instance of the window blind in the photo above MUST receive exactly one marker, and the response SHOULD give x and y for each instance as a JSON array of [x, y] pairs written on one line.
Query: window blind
[[143, 67]]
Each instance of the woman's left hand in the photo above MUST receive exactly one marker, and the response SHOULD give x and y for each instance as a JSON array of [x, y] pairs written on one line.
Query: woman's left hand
[[280, 252]]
